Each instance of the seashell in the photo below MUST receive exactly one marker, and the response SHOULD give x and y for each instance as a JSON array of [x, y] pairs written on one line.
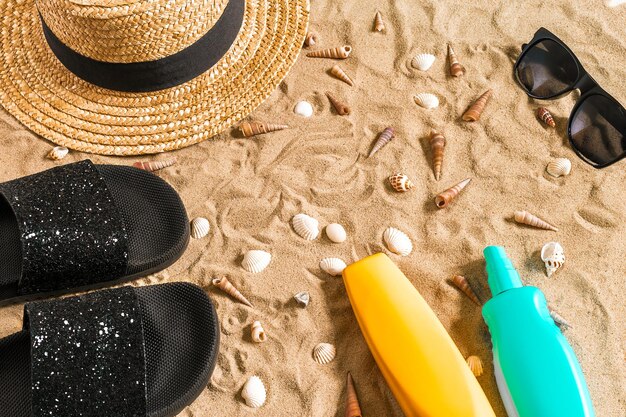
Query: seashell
[[426, 100], [475, 110], [545, 116], [559, 167], [332, 266], [58, 152], [336, 233], [324, 353], [342, 109], [423, 62], [553, 255], [256, 128], [258, 334], [384, 138], [303, 298], [442, 200], [199, 227], [400, 182], [341, 74], [254, 392], [397, 241], [311, 39], [353, 409], [437, 145], [152, 166], [341, 52], [305, 226], [524, 217], [304, 109], [256, 261], [456, 69], [475, 365], [379, 25], [225, 285], [560, 321], [463, 284]]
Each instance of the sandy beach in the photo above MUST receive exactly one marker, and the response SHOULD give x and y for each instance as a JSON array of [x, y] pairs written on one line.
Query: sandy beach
[[250, 188]]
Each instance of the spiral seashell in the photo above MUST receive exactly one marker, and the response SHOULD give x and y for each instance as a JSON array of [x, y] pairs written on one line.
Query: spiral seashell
[[332, 266], [401, 183], [437, 145], [152, 166], [58, 152], [305, 226], [524, 217], [341, 108], [426, 100], [255, 261], [341, 52], [324, 353], [199, 227], [559, 167], [463, 284], [553, 255], [253, 392], [475, 365], [258, 334], [225, 285], [383, 139], [475, 110], [341, 74], [353, 409], [560, 321], [303, 298], [336, 233], [397, 241], [379, 25], [256, 128], [545, 116], [445, 198], [311, 39], [423, 62], [456, 69]]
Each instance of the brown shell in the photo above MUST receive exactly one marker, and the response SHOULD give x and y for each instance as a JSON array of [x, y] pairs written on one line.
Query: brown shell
[[341, 74], [456, 69], [342, 109], [384, 138], [545, 116], [524, 217], [379, 25], [475, 110], [475, 365], [311, 39], [225, 285], [340, 52], [353, 409], [442, 200], [437, 145], [152, 166], [256, 128], [463, 284], [401, 183]]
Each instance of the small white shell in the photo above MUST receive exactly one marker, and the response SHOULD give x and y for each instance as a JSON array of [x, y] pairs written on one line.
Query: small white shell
[[336, 232], [253, 392], [305, 226], [397, 241], [332, 266], [553, 256], [256, 261], [324, 353], [426, 100], [423, 62], [199, 227], [258, 334], [304, 109], [559, 167], [303, 298], [58, 152]]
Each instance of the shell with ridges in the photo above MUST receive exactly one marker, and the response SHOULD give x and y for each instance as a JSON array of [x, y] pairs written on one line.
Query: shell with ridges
[[426, 100], [341, 52], [397, 241], [476, 109], [305, 226], [336, 233], [559, 167], [152, 166], [257, 333], [254, 392], [463, 284], [475, 365], [383, 139], [341, 108], [545, 116], [225, 285], [339, 73], [379, 24], [256, 261], [353, 409], [58, 153], [524, 217], [302, 298], [199, 227], [324, 353], [445, 198], [437, 145], [553, 255], [332, 266], [423, 62], [256, 128], [456, 69], [401, 183]]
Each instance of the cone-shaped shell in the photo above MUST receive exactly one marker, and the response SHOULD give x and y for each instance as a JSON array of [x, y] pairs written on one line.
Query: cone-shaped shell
[[258, 334], [303, 298], [353, 409], [341, 52], [437, 145], [553, 255], [332, 266], [401, 183], [379, 24], [397, 241], [384, 138], [560, 321], [341, 108], [341, 74], [225, 285], [58, 152], [324, 353], [545, 116], [559, 167], [311, 39], [475, 110], [152, 166], [463, 284], [446, 197], [426, 100], [456, 69], [423, 62], [256, 128], [524, 217], [199, 227], [253, 392], [475, 365], [305, 226], [255, 261]]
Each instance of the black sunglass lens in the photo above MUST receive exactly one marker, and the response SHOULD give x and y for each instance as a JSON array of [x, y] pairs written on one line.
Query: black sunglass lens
[[547, 69]]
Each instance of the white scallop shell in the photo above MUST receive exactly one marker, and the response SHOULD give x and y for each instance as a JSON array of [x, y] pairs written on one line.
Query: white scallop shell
[[553, 255], [305, 226], [253, 392], [423, 62], [336, 232], [199, 227], [304, 109], [324, 353], [303, 298], [332, 266], [559, 167], [426, 100], [397, 241], [58, 152], [256, 261]]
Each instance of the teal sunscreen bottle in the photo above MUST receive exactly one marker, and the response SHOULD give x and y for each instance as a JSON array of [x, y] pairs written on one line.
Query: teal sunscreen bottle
[[536, 369]]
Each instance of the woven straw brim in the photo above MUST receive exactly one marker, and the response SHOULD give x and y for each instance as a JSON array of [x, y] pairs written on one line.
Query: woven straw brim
[[51, 101]]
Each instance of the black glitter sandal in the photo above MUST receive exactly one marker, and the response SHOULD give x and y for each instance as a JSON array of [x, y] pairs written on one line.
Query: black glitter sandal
[[82, 226], [124, 352]]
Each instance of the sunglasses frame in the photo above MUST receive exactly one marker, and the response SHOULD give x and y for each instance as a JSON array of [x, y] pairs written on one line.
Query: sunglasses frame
[[584, 83]]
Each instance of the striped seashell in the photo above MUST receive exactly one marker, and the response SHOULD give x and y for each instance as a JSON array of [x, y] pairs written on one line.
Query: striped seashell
[[426, 100], [445, 198], [475, 110], [553, 255], [341, 108], [341, 52], [559, 167], [332, 266], [152, 166], [255, 261], [199, 227], [456, 69], [545, 116], [305, 226], [401, 183], [437, 145], [475, 365], [463, 284], [423, 62], [303, 298], [397, 241], [383, 139], [257, 333], [524, 217], [253, 392], [225, 285], [353, 409], [324, 353], [341, 74], [58, 152], [311, 39], [256, 128], [559, 320], [379, 25]]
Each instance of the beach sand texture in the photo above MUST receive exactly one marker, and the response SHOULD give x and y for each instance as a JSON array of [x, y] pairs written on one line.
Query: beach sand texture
[[249, 189]]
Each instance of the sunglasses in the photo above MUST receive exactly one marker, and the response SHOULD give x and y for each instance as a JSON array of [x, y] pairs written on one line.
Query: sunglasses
[[548, 69]]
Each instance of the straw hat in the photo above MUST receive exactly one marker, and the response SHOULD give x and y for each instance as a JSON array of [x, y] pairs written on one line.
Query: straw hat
[[128, 77]]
